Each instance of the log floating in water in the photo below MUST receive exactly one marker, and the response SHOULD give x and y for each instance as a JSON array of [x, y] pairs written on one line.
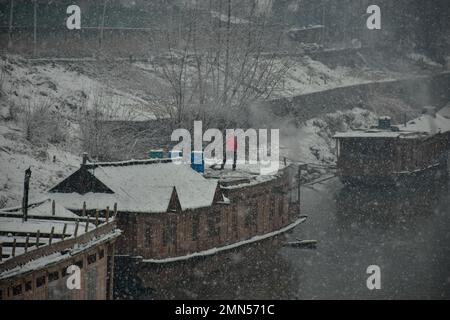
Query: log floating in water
[[302, 244]]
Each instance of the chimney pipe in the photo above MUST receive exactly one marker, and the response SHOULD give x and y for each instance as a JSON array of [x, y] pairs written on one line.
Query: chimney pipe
[[26, 188], [83, 174], [85, 158]]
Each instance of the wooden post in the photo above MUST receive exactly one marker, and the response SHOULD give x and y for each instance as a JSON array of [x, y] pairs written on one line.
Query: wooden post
[[111, 271], [64, 231], [299, 187], [115, 210], [38, 236], [53, 208], [27, 241], [26, 188], [83, 214], [75, 234], [51, 236], [14, 248], [107, 214], [96, 217], [86, 227]]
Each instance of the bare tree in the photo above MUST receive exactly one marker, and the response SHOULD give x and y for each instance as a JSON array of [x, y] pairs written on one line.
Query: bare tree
[[96, 123], [40, 124], [216, 64]]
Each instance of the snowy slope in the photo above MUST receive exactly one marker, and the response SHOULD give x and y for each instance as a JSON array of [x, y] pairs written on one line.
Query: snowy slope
[[313, 142], [17, 154], [66, 90]]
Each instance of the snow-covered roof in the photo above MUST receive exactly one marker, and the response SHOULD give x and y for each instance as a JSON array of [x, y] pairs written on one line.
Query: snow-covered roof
[[428, 124], [368, 134], [445, 112], [16, 225], [32, 240], [143, 187], [42, 209], [425, 125], [40, 221]]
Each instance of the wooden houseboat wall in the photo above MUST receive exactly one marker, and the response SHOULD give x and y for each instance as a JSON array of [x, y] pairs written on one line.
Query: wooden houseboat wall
[[235, 213], [388, 155], [252, 210], [40, 272]]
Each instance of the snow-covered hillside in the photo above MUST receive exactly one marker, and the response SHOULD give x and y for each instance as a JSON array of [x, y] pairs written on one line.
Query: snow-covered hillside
[[66, 90], [313, 142], [49, 164], [125, 88]]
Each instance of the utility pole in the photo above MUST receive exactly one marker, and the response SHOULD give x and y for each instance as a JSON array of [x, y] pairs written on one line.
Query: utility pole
[[35, 28], [323, 22], [11, 10], [26, 188], [102, 23], [227, 53]]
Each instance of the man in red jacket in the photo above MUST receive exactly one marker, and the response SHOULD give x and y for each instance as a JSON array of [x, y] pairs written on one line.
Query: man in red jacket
[[230, 148]]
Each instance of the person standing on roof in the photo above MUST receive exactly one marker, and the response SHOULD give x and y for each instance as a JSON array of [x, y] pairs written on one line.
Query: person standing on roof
[[230, 148]]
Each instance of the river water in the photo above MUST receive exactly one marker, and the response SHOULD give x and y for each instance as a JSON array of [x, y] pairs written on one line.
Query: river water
[[406, 232]]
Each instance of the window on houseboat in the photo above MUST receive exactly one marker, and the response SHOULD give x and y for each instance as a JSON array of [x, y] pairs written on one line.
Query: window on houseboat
[[214, 224], [79, 264], [250, 217], [28, 286], [169, 232], [17, 290], [101, 254], [53, 276], [92, 258], [195, 226], [148, 234], [40, 281]]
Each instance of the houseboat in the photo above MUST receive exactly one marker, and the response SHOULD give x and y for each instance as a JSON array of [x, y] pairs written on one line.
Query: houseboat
[[391, 154], [38, 250], [169, 212]]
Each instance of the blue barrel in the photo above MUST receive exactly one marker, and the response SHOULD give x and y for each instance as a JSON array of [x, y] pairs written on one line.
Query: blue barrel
[[197, 161]]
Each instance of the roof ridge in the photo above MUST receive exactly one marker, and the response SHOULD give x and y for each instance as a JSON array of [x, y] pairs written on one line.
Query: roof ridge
[[131, 162]]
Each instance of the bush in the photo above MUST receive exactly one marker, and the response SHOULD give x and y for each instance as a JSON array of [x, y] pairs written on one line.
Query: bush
[[41, 125]]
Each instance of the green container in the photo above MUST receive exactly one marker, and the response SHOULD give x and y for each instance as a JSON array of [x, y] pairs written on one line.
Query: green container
[[156, 154]]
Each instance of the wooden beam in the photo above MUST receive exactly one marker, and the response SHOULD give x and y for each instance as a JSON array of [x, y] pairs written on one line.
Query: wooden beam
[[96, 217], [27, 243], [64, 231], [51, 235], [107, 214], [83, 214], [75, 234], [14, 248], [37, 238], [53, 208]]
